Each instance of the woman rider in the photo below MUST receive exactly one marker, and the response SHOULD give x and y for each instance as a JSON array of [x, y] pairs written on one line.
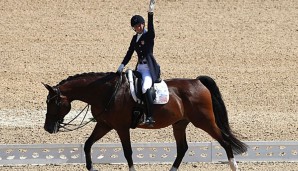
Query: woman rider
[[143, 42]]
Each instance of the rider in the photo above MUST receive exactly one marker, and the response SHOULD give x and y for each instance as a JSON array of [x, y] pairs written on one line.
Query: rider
[[143, 42]]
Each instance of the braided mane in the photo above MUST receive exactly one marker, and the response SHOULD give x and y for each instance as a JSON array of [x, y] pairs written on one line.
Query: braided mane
[[77, 76]]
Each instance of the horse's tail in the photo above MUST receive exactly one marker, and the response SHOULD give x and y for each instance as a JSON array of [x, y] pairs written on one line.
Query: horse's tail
[[221, 115]]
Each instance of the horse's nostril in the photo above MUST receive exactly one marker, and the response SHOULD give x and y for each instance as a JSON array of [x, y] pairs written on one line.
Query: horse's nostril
[[48, 130]]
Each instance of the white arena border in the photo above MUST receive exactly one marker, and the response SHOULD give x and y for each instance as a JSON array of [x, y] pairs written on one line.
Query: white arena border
[[259, 151]]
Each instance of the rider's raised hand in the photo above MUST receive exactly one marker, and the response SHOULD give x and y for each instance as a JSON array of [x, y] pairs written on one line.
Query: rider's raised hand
[[151, 6]]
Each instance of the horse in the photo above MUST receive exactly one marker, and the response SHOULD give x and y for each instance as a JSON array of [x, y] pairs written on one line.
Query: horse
[[197, 101]]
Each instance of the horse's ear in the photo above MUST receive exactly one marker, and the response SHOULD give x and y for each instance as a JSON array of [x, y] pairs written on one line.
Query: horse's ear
[[48, 87]]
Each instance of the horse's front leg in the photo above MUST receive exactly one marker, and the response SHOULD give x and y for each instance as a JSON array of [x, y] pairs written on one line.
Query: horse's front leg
[[99, 131], [124, 136]]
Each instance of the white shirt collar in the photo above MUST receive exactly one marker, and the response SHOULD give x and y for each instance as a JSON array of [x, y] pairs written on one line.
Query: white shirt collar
[[140, 35]]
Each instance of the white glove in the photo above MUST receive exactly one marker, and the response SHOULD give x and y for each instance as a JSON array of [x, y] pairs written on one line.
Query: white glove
[[120, 68], [151, 6]]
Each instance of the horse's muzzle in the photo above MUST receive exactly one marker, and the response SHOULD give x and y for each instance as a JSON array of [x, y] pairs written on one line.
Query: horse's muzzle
[[52, 128]]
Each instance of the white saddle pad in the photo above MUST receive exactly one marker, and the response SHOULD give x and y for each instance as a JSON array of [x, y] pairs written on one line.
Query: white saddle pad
[[162, 92]]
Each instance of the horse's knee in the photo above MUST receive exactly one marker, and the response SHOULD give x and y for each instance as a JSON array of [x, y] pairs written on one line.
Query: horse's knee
[[87, 147], [88, 144]]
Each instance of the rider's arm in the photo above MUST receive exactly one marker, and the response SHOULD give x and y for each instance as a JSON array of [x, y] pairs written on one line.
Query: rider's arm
[[129, 51], [151, 31]]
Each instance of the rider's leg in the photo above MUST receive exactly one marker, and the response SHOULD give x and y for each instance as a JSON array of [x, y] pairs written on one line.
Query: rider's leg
[[147, 83], [149, 103], [146, 77]]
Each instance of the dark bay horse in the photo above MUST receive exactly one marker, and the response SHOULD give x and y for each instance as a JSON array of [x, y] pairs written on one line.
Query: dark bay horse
[[197, 101]]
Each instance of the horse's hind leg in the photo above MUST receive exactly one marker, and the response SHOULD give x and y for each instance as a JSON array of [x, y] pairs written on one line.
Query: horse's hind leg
[[209, 126], [225, 143], [216, 133], [181, 143], [99, 131]]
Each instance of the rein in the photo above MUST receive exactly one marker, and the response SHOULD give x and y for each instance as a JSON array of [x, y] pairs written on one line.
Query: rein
[[81, 125], [64, 125], [114, 93]]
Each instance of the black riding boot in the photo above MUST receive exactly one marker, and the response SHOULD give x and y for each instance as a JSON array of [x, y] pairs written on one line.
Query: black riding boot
[[149, 103]]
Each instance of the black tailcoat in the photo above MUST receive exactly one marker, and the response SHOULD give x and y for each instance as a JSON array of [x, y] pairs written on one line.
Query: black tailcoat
[[144, 48]]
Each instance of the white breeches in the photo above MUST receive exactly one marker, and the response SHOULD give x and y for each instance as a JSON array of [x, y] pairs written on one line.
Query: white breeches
[[146, 76]]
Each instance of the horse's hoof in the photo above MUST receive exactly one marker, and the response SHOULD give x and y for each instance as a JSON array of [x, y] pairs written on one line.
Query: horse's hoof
[[92, 169]]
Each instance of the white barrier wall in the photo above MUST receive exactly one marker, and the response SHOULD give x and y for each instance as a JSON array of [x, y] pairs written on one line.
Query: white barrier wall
[[143, 153]]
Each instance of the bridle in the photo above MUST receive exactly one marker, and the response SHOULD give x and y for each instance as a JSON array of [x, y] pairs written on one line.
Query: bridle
[[63, 125]]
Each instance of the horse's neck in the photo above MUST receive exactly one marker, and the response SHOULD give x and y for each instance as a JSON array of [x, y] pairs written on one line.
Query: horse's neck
[[75, 93], [88, 92]]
